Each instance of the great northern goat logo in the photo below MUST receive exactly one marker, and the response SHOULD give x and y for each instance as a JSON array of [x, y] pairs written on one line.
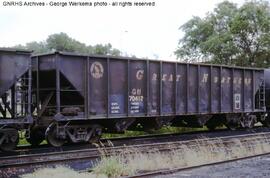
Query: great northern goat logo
[[97, 70]]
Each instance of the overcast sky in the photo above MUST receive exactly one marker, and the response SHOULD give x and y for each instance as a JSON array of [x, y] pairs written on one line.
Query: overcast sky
[[151, 32]]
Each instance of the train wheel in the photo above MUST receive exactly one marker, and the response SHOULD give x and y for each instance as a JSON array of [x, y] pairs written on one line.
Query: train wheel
[[11, 140], [96, 134], [232, 121], [266, 122], [211, 127], [51, 136], [231, 126], [36, 137], [214, 122]]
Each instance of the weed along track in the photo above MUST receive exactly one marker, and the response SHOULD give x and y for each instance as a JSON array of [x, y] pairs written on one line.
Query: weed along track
[[186, 168], [143, 158], [190, 154]]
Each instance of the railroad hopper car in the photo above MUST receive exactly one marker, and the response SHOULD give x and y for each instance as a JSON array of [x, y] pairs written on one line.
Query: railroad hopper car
[[76, 97], [15, 95]]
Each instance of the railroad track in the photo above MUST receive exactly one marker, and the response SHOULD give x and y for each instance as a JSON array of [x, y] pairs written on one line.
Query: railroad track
[[150, 174], [83, 159], [118, 141]]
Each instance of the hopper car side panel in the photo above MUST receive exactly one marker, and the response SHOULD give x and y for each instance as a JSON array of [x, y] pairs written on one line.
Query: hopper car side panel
[[98, 95], [168, 89], [117, 87], [154, 89], [112, 87], [181, 89]]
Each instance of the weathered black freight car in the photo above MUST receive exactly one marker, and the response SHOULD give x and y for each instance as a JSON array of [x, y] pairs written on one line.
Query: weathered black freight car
[[15, 95], [75, 96]]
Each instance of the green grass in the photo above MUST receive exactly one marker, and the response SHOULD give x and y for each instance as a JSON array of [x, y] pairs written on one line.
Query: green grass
[[163, 130], [112, 167], [128, 133], [130, 161], [23, 140]]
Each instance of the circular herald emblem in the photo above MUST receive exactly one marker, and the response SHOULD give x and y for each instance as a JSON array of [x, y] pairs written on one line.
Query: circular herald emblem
[[97, 70]]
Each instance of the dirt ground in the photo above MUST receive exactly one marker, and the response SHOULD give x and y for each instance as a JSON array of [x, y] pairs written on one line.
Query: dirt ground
[[254, 167]]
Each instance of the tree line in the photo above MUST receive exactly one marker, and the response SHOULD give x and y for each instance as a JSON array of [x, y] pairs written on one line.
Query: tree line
[[228, 35], [62, 42]]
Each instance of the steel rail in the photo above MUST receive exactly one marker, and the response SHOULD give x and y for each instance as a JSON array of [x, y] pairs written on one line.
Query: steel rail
[[174, 170]]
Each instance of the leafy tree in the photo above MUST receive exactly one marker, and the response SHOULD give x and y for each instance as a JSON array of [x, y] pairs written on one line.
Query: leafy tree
[[62, 42], [105, 49], [37, 47], [229, 35]]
